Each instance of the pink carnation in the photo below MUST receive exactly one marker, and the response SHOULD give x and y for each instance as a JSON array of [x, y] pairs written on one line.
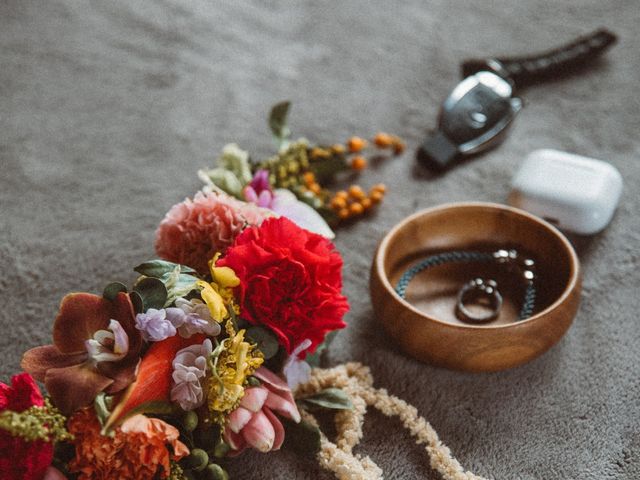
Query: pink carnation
[[193, 231]]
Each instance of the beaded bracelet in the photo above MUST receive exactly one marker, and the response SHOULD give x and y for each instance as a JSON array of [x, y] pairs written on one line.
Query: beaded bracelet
[[479, 287]]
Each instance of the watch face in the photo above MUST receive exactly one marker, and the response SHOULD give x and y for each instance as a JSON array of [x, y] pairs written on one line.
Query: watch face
[[477, 110]]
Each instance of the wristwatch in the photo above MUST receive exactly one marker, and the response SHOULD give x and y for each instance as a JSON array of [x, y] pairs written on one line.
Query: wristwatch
[[476, 114]]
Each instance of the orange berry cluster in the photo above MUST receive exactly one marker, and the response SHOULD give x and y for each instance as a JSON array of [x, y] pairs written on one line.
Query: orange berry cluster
[[354, 201], [384, 140], [310, 182], [380, 140]]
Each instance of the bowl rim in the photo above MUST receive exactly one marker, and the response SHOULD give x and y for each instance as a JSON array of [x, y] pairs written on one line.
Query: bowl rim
[[574, 274]]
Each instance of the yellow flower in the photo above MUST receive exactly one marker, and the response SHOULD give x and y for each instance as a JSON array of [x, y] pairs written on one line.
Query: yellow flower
[[219, 293], [236, 360], [214, 301]]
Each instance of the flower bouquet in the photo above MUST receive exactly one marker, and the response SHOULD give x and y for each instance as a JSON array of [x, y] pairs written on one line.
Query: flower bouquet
[[197, 361]]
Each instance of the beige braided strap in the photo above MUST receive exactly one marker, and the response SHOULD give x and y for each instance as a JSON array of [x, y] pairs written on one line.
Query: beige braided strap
[[356, 380]]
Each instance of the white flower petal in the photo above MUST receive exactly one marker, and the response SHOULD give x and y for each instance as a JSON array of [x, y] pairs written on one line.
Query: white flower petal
[[287, 205]]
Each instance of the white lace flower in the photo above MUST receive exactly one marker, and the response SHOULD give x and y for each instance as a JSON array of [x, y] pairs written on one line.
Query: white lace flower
[[189, 369]]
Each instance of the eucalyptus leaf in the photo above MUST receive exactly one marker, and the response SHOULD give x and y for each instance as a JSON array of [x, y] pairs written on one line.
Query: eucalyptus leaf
[[157, 268], [112, 290], [330, 398], [152, 291], [136, 300], [278, 121], [239, 321], [265, 339], [303, 438]]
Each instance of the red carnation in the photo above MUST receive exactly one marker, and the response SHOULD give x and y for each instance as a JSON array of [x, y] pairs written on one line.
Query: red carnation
[[290, 281], [20, 459]]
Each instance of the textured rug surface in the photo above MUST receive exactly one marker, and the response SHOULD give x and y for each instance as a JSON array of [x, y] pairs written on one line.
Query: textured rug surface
[[107, 109]]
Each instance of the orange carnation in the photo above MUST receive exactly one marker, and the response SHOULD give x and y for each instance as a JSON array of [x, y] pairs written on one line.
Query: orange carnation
[[138, 449]]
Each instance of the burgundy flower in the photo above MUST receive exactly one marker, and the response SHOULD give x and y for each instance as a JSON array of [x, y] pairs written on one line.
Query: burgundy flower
[[95, 348]]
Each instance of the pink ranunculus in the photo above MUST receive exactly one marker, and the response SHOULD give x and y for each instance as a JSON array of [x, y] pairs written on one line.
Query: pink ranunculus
[[193, 231], [254, 424]]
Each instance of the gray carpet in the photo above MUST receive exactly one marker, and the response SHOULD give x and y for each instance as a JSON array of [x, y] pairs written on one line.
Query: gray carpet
[[107, 109]]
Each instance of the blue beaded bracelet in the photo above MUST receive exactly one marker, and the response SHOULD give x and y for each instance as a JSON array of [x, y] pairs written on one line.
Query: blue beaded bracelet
[[508, 257]]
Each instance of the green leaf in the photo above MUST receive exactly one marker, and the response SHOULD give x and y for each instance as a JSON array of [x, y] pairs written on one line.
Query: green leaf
[[101, 406], [113, 289], [331, 398], [314, 359], [152, 291], [136, 300], [239, 321], [303, 438], [157, 268], [278, 121], [265, 339]]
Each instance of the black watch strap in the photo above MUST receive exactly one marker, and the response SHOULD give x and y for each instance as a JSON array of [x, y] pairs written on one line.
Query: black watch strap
[[523, 71], [437, 152]]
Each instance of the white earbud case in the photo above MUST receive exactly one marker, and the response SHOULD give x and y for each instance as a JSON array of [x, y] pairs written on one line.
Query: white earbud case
[[575, 193]]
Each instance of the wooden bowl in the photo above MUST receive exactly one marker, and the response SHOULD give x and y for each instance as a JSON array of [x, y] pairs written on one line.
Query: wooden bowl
[[425, 325]]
